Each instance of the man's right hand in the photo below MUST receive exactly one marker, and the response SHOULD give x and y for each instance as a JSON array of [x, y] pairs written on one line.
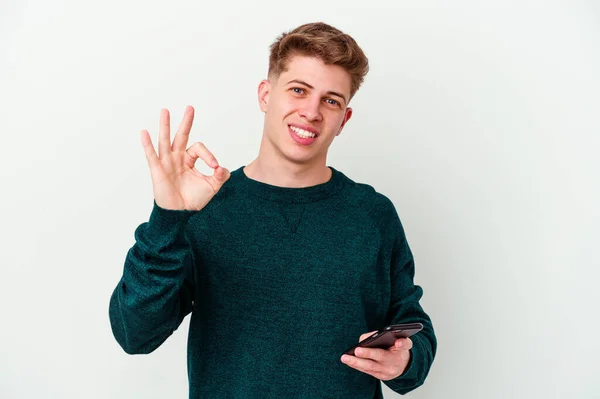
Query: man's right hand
[[177, 184]]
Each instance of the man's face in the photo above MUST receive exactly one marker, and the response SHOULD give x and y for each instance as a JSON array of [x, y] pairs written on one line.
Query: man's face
[[310, 96]]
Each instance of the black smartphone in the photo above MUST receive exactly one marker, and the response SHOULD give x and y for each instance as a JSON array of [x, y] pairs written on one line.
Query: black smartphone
[[386, 337]]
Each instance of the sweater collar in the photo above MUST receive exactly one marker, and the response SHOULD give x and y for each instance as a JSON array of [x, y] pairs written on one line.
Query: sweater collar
[[290, 194]]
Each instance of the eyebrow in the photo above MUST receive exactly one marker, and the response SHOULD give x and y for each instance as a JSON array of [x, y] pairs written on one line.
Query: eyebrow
[[333, 93]]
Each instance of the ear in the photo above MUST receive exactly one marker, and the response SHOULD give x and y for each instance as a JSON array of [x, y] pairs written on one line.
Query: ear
[[347, 117], [263, 94]]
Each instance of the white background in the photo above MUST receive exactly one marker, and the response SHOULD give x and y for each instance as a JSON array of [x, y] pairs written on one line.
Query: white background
[[479, 119]]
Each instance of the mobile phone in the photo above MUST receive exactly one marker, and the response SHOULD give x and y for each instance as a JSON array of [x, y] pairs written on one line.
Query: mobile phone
[[386, 337]]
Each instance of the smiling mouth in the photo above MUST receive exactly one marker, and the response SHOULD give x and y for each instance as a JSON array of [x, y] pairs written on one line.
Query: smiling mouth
[[303, 133]]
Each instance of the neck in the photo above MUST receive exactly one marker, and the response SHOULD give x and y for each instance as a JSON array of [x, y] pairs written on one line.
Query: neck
[[283, 173]]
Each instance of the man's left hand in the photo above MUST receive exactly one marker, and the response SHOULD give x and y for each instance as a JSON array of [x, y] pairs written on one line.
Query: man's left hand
[[384, 364]]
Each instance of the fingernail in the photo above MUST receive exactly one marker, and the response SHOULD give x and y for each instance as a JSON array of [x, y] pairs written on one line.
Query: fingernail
[[345, 358]]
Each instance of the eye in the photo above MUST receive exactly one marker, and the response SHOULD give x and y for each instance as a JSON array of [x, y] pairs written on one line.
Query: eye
[[333, 102], [298, 90]]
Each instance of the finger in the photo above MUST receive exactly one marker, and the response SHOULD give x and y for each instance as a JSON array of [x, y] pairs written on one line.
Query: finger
[[365, 365], [164, 135], [403, 343], [365, 335], [199, 150], [221, 175], [183, 133], [376, 354], [151, 156]]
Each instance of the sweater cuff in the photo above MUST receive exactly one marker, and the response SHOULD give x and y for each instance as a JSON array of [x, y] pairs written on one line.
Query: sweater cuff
[[162, 219], [409, 379]]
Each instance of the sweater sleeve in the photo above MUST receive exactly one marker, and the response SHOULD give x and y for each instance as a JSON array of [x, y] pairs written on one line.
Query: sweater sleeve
[[405, 308], [156, 290]]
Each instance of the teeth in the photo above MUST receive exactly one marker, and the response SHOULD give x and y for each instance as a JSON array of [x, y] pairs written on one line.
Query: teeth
[[302, 132]]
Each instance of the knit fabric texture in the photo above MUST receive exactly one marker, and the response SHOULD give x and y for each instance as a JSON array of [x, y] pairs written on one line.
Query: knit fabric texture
[[279, 282]]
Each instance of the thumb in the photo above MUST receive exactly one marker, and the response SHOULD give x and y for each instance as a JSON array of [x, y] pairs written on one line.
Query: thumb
[[365, 335], [221, 175]]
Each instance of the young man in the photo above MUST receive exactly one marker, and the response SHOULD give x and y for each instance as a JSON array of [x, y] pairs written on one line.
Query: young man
[[284, 263]]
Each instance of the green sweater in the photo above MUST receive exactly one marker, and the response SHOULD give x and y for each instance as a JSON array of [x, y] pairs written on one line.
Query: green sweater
[[279, 282]]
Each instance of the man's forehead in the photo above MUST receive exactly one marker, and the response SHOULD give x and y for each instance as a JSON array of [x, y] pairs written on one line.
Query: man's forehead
[[312, 66]]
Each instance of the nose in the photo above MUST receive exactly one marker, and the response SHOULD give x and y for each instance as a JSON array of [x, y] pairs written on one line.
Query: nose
[[311, 109]]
